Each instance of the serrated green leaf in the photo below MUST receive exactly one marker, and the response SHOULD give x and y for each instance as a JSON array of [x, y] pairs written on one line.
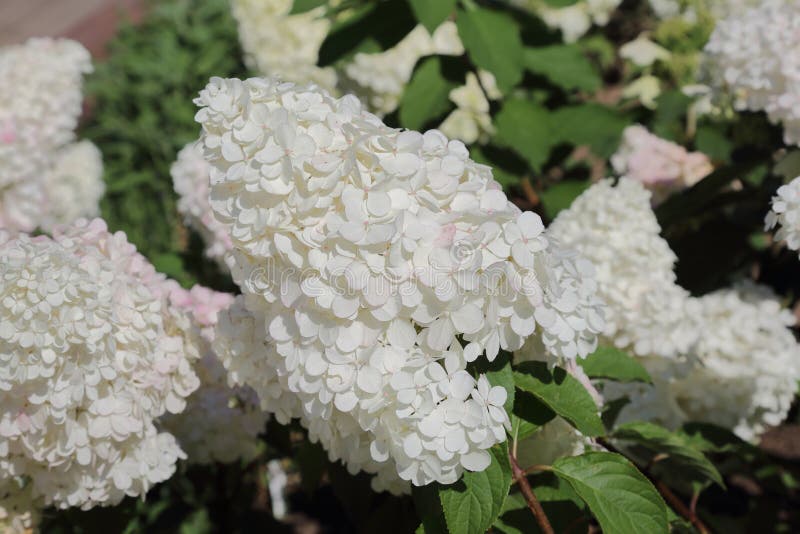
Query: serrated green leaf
[[431, 13], [559, 196], [564, 65], [523, 126], [473, 503], [589, 124], [301, 6], [677, 446], [427, 95], [619, 496], [562, 393], [615, 364], [493, 42]]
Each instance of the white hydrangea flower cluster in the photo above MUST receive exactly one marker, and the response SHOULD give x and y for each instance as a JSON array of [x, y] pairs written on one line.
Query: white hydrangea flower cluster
[[727, 357], [750, 57], [276, 43], [75, 185], [615, 228], [750, 362], [19, 514], [785, 212], [40, 102], [661, 166], [220, 423], [745, 379], [92, 353], [44, 180], [363, 252], [573, 20], [471, 121], [380, 79], [190, 179]]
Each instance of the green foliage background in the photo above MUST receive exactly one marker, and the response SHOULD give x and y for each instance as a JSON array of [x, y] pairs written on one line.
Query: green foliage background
[[143, 114]]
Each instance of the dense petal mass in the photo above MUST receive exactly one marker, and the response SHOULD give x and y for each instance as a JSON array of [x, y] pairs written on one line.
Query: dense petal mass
[[660, 165], [74, 185], [220, 423], [91, 353], [751, 58], [726, 358], [45, 178], [785, 214], [41, 85], [363, 254], [278, 44], [615, 228], [190, 179]]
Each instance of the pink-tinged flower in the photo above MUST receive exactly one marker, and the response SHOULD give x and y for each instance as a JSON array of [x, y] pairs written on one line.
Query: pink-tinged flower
[[92, 355], [660, 165]]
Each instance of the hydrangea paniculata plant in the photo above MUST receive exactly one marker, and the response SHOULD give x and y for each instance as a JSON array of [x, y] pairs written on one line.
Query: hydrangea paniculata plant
[[92, 355], [365, 254]]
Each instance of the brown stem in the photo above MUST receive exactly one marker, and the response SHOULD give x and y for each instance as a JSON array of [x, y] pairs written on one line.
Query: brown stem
[[530, 193], [693, 502], [666, 493], [530, 498]]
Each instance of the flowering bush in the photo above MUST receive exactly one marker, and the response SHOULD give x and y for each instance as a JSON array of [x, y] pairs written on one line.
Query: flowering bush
[[467, 265]]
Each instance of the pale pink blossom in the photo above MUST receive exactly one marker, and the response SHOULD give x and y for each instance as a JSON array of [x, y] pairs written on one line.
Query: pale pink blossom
[[660, 165]]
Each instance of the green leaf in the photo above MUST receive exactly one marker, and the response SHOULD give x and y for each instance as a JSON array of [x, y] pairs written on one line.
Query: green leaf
[[560, 503], [612, 410], [589, 124], [564, 65], [493, 42], [677, 446], [529, 414], [427, 95], [612, 363], [429, 509], [384, 23], [619, 496], [169, 264], [301, 6], [560, 3], [680, 206], [523, 126], [431, 13], [473, 503], [713, 143], [670, 111], [559, 196], [708, 437], [562, 393]]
